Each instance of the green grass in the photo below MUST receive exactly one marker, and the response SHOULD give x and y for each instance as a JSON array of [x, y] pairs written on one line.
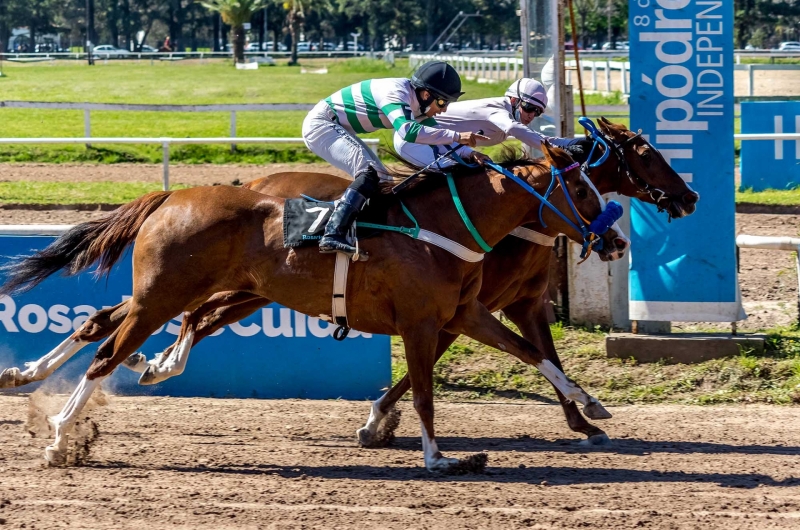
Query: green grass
[[773, 197], [74, 193], [471, 370], [215, 82]]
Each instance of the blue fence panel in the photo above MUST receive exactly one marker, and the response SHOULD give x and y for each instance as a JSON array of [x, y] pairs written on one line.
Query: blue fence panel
[[682, 98], [274, 353], [770, 164]]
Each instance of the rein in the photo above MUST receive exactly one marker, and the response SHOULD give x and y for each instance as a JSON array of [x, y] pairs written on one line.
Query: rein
[[591, 233]]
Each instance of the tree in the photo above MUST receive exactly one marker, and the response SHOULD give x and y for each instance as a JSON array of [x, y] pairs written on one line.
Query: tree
[[236, 13]]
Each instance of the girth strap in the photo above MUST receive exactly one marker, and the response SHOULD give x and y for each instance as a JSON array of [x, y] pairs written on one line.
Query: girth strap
[[339, 309]]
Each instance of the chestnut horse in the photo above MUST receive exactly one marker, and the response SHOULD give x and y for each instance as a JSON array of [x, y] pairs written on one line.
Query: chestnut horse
[[515, 272], [193, 243]]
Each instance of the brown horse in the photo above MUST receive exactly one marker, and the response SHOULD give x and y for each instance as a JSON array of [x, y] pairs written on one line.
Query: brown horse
[[191, 244], [515, 273]]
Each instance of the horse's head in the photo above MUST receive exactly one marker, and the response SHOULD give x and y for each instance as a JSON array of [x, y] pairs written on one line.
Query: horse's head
[[587, 206], [648, 176]]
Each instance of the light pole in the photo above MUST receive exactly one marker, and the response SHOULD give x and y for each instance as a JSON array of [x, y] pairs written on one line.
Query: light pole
[[355, 41]]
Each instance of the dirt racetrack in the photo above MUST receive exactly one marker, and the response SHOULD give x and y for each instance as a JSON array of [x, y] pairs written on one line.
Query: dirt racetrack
[[218, 463]]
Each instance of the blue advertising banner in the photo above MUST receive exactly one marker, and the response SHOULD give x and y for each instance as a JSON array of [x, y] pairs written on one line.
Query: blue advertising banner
[[770, 164], [682, 98], [274, 353]]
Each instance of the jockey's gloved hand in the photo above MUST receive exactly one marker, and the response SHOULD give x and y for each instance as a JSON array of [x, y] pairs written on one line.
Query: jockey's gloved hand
[[580, 148]]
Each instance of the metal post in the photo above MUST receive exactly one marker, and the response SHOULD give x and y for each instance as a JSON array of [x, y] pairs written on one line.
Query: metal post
[[608, 75], [750, 84], [87, 126], [623, 80], [165, 152], [594, 76], [516, 69], [233, 129]]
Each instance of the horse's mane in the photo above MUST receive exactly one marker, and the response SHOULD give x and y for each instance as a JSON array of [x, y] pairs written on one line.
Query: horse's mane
[[509, 157]]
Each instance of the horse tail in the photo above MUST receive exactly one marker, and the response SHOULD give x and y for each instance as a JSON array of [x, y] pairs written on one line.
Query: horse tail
[[102, 241]]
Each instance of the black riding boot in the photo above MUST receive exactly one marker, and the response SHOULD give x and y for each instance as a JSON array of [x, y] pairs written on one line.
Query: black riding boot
[[352, 202]]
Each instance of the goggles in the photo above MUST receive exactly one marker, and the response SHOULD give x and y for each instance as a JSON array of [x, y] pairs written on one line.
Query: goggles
[[441, 103], [536, 110]]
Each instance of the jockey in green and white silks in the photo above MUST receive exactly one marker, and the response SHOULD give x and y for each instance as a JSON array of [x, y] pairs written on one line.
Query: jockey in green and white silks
[[406, 105], [499, 118]]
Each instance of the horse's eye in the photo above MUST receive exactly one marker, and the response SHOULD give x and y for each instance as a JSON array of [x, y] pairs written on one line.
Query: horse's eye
[[582, 194]]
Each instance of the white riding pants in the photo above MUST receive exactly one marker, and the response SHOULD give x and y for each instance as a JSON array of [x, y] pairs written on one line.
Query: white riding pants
[[340, 148]]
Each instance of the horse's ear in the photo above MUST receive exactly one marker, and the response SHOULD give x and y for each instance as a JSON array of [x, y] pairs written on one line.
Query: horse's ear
[[556, 156], [615, 130], [547, 149]]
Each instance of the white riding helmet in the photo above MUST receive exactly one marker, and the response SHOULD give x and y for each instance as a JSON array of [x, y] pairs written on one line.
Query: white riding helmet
[[530, 91]]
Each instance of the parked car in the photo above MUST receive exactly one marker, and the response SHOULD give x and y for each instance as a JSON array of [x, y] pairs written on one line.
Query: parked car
[[108, 51], [303, 46], [789, 46], [623, 45], [148, 49]]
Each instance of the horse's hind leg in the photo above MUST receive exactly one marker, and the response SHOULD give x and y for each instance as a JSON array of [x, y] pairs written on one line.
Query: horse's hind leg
[[530, 317], [234, 304], [133, 331], [97, 327], [476, 322]]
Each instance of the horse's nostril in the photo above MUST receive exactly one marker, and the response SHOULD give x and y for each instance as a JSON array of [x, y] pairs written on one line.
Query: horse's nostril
[[620, 243], [691, 197]]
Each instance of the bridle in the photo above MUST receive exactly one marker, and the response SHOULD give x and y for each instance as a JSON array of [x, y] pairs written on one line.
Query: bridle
[[657, 195]]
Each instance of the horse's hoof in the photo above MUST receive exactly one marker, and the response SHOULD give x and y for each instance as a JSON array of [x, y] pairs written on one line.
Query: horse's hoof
[[136, 362], [150, 376], [54, 457], [365, 438], [596, 411], [596, 440], [384, 434], [452, 466], [10, 377]]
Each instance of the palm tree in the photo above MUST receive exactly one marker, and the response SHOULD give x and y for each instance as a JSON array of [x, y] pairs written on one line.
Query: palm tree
[[295, 18], [235, 13]]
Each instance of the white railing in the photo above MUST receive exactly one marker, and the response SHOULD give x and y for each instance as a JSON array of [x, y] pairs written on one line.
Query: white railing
[[775, 243], [87, 109], [477, 67], [165, 143]]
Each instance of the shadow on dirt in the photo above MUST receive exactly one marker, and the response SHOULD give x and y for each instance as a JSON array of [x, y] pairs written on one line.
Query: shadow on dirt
[[554, 476]]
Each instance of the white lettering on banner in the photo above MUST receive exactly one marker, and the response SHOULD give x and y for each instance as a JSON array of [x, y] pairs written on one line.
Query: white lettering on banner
[[679, 39], [7, 314], [60, 318], [37, 324], [59, 321]]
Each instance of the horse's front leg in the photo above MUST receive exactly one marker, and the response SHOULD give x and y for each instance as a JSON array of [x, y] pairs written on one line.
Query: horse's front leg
[[368, 435], [531, 318], [420, 343], [476, 322]]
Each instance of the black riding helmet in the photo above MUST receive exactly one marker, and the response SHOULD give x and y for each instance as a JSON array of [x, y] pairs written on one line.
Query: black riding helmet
[[438, 78]]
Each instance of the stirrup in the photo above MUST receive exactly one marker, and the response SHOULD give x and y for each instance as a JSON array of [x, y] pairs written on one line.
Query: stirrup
[[333, 245]]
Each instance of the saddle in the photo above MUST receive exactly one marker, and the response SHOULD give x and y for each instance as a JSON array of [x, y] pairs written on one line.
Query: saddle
[[304, 222]]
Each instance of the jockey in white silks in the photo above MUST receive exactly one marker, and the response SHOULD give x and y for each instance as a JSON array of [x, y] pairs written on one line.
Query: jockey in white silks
[[498, 118], [406, 105]]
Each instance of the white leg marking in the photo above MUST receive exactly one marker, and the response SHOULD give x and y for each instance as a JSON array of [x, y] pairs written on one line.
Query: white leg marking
[[434, 460], [366, 434], [564, 385], [174, 365], [41, 369], [375, 416], [65, 420]]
